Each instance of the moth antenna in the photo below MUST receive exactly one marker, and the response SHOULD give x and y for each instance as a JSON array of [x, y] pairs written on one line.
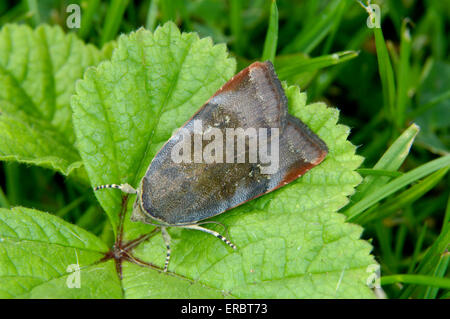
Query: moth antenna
[[212, 232], [126, 188]]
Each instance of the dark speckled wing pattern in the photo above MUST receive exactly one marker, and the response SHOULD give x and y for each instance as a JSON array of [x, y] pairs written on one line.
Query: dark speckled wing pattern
[[186, 193]]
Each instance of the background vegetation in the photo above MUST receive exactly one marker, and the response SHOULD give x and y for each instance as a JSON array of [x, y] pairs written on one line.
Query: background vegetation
[[382, 81]]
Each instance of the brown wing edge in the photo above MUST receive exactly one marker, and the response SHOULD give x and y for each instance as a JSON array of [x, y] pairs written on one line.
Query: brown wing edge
[[296, 172], [277, 83]]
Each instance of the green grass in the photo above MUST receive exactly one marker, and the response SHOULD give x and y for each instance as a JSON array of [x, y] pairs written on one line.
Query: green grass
[[390, 84], [270, 45]]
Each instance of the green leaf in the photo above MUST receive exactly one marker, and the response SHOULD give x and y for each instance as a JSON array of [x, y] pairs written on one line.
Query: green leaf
[[291, 242], [33, 141], [36, 250], [38, 70], [139, 282]]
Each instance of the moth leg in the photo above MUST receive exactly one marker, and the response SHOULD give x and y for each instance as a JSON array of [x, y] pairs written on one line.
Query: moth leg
[[166, 238], [212, 232], [126, 188], [225, 228]]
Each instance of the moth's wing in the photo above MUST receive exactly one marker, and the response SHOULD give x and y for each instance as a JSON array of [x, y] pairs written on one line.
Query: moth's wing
[[252, 98], [177, 193], [300, 150], [186, 193]]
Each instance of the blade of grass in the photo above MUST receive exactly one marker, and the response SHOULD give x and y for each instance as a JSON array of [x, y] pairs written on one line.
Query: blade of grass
[[327, 78], [308, 65], [403, 79], [445, 296], [152, 13], [441, 270], [437, 30], [182, 7], [431, 259], [395, 185], [417, 249], [391, 160], [342, 8], [416, 279], [73, 195], [113, 20], [270, 44], [91, 219], [15, 13], [309, 11], [310, 36], [392, 49], [427, 106], [301, 79], [384, 65], [3, 199], [376, 147], [168, 10], [432, 205], [400, 242], [384, 235], [33, 8], [3, 7], [439, 246], [378, 172], [12, 182], [386, 72], [131, 14], [395, 13], [407, 197], [72, 205], [446, 221], [87, 18], [236, 25], [368, 129]]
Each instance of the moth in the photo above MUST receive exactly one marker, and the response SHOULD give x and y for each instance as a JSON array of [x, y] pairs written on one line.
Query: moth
[[186, 193]]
